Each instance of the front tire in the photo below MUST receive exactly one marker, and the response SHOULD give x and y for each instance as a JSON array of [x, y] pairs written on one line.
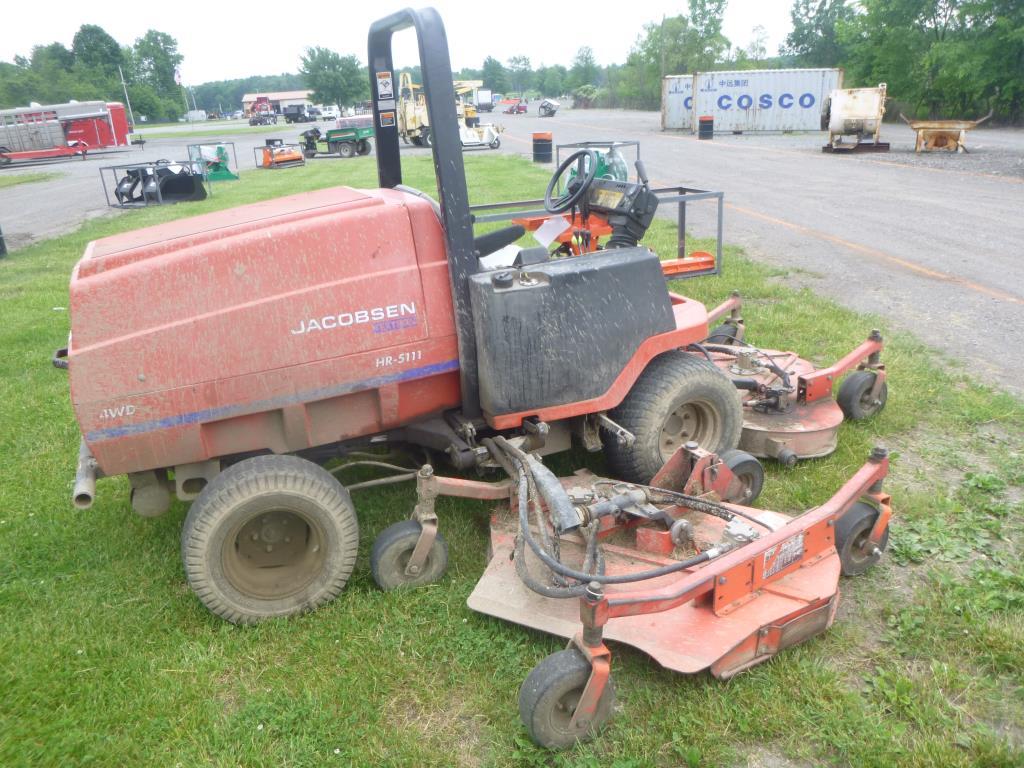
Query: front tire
[[549, 697], [678, 398], [270, 536], [347, 149]]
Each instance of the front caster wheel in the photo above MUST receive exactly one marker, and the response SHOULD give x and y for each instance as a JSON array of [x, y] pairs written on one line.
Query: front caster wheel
[[749, 477], [853, 530], [854, 396], [549, 697], [392, 550]]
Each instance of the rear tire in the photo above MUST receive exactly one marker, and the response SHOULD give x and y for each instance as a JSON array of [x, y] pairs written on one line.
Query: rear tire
[[678, 398], [427, 138], [363, 147], [270, 536], [347, 149]]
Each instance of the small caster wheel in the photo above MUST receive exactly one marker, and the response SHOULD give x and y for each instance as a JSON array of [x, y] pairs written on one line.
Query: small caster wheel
[[787, 458], [392, 550], [549, 697], [854, 396], [749, 474], [856, 552]]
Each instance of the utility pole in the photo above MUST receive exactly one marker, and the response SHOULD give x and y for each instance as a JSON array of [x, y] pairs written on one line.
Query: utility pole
[[662, 36], [131, 115]]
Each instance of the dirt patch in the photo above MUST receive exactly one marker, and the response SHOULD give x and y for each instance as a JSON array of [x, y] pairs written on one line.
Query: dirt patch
[[763, 757], [227, 692], [452, 728], [915, 465]]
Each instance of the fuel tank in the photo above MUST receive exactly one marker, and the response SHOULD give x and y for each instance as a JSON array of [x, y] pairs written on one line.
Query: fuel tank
[[280, 325]]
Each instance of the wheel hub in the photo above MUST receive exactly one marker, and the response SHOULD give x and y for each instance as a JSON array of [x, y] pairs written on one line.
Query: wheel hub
[[695, 421], [273, 554]]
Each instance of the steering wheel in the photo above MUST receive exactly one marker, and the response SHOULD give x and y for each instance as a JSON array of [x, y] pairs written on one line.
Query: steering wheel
[[586, 172]]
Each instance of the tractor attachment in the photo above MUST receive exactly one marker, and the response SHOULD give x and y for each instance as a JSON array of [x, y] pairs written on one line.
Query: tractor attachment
[[789, 412], [593, 559], [155, 183], [277, 154]]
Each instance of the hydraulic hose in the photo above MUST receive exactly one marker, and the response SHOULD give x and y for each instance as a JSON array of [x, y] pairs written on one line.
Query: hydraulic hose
[[563, 570], [770, 364]]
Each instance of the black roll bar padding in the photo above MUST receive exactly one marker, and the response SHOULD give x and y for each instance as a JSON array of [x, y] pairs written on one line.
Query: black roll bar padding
[[488, 243], [449, 172]]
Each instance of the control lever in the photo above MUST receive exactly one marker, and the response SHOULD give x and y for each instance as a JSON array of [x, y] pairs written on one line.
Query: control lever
[[641, 172]]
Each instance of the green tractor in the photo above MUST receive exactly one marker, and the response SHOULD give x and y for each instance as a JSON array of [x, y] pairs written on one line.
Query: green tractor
[[344, 142]]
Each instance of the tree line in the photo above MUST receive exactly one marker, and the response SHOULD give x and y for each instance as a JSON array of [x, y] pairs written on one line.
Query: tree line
[[939, 58], [88, 71]]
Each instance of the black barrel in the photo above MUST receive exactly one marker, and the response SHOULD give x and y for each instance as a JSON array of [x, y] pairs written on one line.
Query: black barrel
[[542, 147], [706, 127]]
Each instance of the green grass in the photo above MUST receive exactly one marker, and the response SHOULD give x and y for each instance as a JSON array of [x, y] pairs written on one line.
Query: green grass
[[224, 130], [13, 180], [107, 659]]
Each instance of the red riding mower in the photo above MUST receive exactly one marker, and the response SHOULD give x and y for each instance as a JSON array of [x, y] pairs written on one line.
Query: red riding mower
[[225, 358]]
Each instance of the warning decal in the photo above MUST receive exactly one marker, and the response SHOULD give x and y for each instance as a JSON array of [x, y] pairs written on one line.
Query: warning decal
[[385, 86], [782, 556], [387, 119]]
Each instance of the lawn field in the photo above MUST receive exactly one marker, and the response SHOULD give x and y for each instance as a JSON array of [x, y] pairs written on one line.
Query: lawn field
[[107, 659], [14, 179]]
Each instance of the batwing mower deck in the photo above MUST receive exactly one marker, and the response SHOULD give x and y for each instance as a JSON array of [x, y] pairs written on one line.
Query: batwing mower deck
[[701, 585], [677, 569]]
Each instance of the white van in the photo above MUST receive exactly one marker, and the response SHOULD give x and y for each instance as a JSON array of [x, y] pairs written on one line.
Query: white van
[[329, 113]]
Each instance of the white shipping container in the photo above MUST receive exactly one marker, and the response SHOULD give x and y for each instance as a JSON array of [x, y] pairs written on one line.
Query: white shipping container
[[750, 100], [764, 99], [677, 103]]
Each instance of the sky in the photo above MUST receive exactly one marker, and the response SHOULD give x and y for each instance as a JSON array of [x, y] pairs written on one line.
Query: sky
[[231, 39]]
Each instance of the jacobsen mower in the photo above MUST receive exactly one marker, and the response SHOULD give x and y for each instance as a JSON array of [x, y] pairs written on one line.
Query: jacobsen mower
[[225, 358]]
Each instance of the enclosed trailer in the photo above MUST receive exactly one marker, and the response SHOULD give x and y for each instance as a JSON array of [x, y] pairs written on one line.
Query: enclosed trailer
[[56, 130]]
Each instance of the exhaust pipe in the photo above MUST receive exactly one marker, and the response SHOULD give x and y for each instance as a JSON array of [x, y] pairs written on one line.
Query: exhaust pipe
[[85, 478]]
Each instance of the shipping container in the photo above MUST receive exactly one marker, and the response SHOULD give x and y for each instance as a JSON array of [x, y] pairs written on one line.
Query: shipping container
[[750, 100], [677, 103]]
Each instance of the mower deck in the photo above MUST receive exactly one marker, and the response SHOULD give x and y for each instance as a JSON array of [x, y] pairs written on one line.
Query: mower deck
[[807, 429], [689, 638]]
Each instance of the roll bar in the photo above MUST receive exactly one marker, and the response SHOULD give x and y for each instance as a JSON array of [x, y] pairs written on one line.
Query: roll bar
[[449, 172]]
